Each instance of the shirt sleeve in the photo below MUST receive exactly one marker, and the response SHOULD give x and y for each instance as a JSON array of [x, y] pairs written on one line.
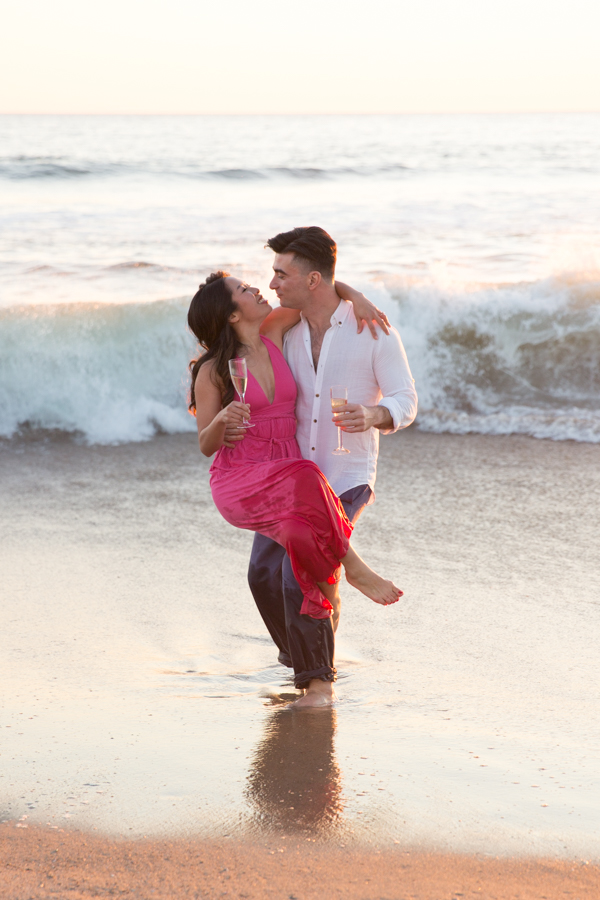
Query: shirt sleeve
[[395, 381]]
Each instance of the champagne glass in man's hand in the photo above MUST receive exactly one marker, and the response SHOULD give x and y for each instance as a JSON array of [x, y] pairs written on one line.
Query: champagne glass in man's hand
[[339, 397], [239, 377]]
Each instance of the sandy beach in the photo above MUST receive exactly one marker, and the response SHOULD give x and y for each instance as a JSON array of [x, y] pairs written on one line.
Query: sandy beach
[[144, 733], [38, 864]]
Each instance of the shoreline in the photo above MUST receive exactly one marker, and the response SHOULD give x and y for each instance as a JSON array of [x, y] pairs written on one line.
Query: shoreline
[[39, 863]]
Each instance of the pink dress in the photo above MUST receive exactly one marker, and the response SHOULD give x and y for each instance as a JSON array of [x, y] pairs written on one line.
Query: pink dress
[[264, 485]]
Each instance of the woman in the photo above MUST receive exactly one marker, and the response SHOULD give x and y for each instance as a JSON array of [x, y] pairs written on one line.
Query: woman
[[262, 483]]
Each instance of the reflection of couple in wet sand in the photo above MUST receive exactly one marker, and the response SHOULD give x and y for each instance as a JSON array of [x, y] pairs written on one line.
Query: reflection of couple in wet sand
[[289, 788], [280, 477]]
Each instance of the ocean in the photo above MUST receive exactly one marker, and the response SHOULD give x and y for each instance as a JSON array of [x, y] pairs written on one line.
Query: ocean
[[478, 235]]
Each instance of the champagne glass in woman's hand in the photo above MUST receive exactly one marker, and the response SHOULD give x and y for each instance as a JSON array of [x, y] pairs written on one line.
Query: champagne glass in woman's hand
[[339, 397], [239, 376]]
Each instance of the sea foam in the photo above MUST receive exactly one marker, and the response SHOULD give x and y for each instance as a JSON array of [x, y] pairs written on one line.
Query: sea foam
[[504, 359], [491, 359], [111, 373]]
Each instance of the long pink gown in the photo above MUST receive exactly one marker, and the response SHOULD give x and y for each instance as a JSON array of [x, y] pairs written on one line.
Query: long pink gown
[[264, 485]]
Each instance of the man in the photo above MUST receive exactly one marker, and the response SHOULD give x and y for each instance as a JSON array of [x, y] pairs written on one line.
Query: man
[[324, 349]]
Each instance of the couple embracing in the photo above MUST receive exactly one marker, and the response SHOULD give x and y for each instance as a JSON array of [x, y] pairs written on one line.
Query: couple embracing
[[275, 471]]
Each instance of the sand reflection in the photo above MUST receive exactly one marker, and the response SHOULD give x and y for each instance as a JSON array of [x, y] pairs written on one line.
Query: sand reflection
[[294, 783]]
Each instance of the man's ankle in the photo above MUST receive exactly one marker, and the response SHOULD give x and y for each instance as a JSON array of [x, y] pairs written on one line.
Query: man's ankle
[[320, 686]]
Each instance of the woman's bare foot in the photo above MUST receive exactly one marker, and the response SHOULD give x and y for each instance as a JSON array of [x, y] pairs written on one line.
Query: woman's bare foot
[[368, 582], [319, 693]]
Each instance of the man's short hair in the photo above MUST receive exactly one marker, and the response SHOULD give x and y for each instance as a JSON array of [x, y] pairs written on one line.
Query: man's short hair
[[310, 245]]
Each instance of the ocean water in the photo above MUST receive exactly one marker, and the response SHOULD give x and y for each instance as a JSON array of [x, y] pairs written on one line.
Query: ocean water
[[479, 235]]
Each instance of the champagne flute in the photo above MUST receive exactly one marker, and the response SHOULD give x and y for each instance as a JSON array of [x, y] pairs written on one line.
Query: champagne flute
[[339, 397], [239, 376]]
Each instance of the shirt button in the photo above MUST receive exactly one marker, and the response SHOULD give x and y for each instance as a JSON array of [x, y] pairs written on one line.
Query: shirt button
[[316, 395], [312, 448], [314, 420]]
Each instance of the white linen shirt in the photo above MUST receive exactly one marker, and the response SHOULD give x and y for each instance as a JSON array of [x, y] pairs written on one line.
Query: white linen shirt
[[376, 373]]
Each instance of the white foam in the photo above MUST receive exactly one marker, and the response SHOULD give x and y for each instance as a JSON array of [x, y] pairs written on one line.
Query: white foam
[[110, 372], [492, 359], [503, 359]]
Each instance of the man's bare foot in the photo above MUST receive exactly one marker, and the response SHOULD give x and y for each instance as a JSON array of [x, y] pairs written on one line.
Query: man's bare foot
[[319, 693], [374, 586]]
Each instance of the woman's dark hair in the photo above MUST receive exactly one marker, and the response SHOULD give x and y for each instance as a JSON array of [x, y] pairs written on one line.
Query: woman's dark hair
[[208, 319], [310, 245]]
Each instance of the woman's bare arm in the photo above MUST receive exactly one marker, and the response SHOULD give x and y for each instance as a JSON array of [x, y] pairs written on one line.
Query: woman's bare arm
[[278, 322], [365, 311], [211, 418], [281, 320]]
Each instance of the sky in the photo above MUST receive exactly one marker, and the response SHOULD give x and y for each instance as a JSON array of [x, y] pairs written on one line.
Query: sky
[[308, 56]]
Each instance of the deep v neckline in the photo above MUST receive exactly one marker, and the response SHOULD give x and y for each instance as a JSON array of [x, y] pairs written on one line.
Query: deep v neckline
[[250, 372]]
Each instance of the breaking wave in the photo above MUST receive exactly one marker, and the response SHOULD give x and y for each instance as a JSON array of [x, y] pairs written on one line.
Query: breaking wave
[[505, 359], [112, 373], [492, 359]]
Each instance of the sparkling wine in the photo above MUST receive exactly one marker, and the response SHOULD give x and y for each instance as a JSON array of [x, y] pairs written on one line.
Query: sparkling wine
[[339, 397], [239, 384], [239, 378]]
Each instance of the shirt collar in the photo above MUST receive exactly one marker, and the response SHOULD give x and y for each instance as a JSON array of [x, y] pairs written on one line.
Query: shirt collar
[[339, 316]]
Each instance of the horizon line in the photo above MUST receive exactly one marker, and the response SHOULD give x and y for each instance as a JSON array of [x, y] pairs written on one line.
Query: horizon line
[[506, 112]]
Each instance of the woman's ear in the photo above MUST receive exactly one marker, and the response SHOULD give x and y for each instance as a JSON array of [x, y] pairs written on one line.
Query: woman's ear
[[234, 317]]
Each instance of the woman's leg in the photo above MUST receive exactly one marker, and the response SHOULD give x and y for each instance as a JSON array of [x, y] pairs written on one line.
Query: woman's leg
[[368, 582], [353, 502], [360, 576]]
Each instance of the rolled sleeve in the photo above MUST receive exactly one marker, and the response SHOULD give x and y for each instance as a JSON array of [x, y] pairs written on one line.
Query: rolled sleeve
[[395, 381]]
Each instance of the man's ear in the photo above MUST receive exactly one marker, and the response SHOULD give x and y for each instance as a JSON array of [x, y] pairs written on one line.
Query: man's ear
[[314, 280]]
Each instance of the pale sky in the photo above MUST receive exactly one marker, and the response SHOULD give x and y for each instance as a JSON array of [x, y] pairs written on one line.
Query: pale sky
[[308, 56]]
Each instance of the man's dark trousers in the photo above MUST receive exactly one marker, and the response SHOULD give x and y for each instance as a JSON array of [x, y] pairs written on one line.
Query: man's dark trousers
[[305, 643]]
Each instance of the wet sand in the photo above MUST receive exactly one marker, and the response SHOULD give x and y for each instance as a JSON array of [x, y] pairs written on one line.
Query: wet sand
[[39, 864], [143, 702]]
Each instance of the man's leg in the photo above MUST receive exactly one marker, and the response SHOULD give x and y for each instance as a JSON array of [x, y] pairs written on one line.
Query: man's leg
[[305, 644], [265, 580], [310, 641]]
